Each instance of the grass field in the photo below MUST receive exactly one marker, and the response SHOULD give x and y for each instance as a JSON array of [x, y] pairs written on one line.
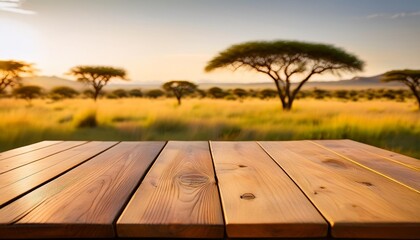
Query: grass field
[[391, 125]]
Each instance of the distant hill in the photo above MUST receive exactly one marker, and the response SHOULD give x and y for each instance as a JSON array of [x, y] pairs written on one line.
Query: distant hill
[[50, 82], [355, 83]]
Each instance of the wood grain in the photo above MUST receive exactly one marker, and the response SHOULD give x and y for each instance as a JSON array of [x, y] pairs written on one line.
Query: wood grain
[[385, 154], [83, 202], [357, 202], [177, 198], [25, 149], [23, 179], [32, 156], [403, 174], [259, 200]]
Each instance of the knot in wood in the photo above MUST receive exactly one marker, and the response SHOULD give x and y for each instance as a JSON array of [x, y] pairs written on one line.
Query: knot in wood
[[247, 196], [335, 163], [193, 179]]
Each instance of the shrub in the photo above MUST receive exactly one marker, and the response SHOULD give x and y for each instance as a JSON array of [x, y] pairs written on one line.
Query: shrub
[[135, 93], [63, 92], [86, 119], [120, 93], [155, 93]]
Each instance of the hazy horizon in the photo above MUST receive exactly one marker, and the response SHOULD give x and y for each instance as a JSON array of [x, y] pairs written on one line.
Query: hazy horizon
[[157, 41]]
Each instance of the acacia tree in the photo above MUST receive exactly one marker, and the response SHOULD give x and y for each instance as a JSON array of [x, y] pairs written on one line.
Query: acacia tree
[[97, 76], [411, 78], [11, 72], [28, 92], [284, 61], [179, 88]]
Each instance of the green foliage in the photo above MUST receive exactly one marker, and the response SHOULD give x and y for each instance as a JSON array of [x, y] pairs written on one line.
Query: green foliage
[[283, 61], [411, 78], [63, 92], [97, 76], [88, 93], [267, 93], [216, 92], [179, 88], [154, 93], [239, 92], [27, 92], [120, 93], [343, 94], [12, 71], [135, 93]]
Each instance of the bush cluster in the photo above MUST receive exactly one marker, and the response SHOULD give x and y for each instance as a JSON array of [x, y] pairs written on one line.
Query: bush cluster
[[59, 93]]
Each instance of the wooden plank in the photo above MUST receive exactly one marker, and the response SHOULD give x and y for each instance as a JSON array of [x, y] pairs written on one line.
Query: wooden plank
[[23, 179], [402, 174], [357, 202], [259, 200], [26, 158], [25, 149], [385, 154], [83, 202], [177, 198]]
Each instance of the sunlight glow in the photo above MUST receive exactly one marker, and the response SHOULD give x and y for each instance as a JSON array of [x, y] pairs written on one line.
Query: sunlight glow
[[14, 6]]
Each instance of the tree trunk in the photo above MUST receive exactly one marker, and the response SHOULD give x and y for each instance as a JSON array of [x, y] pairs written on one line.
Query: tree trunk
[[289, 104], [283, 101], [179, 100], [418, 99], [416, 94], [95, 95]]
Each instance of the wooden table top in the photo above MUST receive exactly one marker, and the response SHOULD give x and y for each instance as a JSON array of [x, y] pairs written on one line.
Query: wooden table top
[[200, 189]]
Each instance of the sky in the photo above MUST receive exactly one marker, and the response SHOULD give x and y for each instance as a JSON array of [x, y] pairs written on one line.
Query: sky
[[162, 40]]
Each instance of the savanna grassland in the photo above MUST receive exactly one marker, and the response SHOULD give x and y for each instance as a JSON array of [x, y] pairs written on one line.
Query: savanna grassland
[[387, 124]]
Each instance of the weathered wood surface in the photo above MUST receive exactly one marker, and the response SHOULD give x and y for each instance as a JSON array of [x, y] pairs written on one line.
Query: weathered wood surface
[[35, 155], [358, 203], [259, 199], [25, 149], [177, 198], [23, 179], [85, 201], [401, 173], [293, 189]]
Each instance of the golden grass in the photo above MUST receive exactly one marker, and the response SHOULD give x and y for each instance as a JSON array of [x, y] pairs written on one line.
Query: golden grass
[[387, 124]]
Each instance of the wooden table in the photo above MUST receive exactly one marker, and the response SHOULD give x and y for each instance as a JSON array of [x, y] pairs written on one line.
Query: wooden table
[[175, 189]]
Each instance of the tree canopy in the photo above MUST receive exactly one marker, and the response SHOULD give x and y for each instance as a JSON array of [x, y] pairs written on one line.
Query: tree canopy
[[409, 77], [286, 61], [62, 92], [179, 88], [97, 76], [11, 72], [28, 92]]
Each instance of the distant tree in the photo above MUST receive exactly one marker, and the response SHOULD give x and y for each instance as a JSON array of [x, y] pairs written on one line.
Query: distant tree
[[320, 93], [179, 88], [283, 61], [135, 93], [343, 94], [120, 93], [154, 93], [411, 78], [27, 92], [216, 92], [11, 72], [200, 93], [97, 76], [240, 93], [267, 93], [88, 93], [63, 92]]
